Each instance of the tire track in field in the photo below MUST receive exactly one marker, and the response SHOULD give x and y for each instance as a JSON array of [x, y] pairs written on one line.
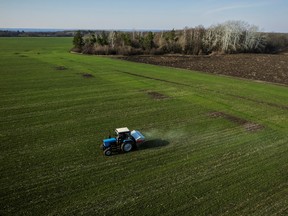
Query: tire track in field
[[153, 78], [209, 90]]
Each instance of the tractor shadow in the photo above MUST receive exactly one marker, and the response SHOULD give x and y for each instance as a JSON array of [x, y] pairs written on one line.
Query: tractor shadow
[[154, 143]]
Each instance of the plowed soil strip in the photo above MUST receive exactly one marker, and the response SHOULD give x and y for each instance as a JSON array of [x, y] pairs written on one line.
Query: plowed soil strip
[[264, 67]]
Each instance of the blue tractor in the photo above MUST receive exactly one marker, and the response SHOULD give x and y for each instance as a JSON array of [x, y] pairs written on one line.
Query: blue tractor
[[124, 141]]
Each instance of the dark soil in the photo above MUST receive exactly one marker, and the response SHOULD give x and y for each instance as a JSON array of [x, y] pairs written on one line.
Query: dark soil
[[249, 126], [263, 67], [87, 75], [61, 68], [157, 95]]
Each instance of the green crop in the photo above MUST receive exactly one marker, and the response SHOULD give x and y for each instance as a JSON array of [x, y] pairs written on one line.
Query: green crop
[[216, 145]]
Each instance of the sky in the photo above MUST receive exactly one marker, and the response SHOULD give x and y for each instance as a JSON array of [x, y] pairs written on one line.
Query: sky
[[268, 15]]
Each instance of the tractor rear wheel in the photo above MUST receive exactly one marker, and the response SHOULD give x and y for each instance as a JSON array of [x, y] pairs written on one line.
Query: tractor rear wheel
[[126, 147], [108, 152]]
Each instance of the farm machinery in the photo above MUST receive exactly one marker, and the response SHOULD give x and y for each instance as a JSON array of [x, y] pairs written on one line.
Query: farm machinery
[[124, 141]]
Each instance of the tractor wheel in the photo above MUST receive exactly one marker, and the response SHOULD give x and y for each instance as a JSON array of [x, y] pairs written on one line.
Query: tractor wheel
[[126, 147], [108, 152]]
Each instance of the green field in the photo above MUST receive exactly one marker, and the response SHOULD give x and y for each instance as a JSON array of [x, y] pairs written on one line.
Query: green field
[[218, 145]]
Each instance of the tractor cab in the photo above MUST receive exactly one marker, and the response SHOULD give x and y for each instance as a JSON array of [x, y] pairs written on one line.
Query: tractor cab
[[122, 134]]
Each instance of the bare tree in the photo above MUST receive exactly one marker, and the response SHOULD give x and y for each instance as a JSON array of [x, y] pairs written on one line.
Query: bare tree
[[111, 38], [212, 39], [233, 36]]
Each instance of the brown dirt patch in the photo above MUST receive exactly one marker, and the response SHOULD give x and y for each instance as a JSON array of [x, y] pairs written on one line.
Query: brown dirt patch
[[264, 67], [61, 68], [215, 114], [249, 126], [157, 95], [87, 75]]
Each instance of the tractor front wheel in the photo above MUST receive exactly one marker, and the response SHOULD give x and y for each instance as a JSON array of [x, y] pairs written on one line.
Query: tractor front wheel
[[108, 152], [126, 147]]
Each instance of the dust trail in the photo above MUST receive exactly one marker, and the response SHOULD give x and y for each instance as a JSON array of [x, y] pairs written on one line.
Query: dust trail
[[152, 134], [165, 134]]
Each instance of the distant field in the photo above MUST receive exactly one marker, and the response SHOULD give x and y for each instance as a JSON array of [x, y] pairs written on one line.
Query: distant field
[[218, 145]]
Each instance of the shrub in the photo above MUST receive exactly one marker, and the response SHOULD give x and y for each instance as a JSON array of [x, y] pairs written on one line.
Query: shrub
[[78, 40], [157, 51], [101, 50], [88, 49], [128, 51]]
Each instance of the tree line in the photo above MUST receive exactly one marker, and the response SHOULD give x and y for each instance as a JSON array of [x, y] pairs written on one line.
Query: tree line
[[227, 37], [8, 33]]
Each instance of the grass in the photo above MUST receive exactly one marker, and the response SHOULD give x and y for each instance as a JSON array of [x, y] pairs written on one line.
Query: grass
[[53, 121]]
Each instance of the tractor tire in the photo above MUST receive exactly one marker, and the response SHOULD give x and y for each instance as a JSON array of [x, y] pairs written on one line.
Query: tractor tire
[[108, 152], [126, 147]]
